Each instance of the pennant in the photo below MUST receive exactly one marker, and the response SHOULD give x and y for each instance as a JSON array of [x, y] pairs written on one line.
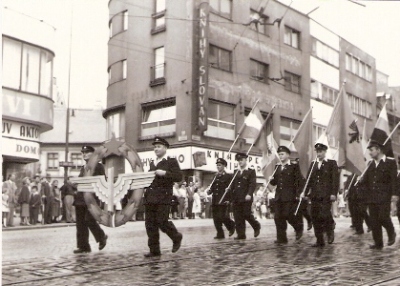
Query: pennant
[[343, 127]]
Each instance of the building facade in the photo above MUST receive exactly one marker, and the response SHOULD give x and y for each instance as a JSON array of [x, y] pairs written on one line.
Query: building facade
[[191, 71], [86, 127], [27, 102]]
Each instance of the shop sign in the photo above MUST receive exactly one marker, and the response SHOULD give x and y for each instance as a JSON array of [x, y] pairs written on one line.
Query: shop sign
[[20, 130], [20, 148]]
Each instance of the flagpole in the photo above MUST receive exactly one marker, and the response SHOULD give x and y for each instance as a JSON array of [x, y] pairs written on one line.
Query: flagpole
[[363, 173], [306, 185], [292, 141], [241, 128], [391, 133], [248, 151]]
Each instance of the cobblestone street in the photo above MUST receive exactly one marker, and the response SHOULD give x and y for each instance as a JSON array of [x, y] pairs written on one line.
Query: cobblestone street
[[44, 257]]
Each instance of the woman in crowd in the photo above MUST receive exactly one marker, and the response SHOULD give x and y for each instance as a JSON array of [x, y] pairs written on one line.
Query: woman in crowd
[[56, 204], [5, 207], [23, 201], [174, 201], [196, 204]]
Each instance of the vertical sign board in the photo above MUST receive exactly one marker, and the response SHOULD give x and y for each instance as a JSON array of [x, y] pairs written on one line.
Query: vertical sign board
[[200, 66]]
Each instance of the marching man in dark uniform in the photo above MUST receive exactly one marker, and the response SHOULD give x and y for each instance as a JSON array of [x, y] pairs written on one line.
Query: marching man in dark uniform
[[322, 190], [380, 187], [288, 180], [219, 210], [243, 188], [84, 219], [157, 199]]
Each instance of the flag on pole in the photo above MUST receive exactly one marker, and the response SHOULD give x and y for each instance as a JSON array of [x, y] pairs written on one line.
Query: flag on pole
[[267, 144], [252, 125], [302, 142], [381, 132], [364, 141], [343, 128]]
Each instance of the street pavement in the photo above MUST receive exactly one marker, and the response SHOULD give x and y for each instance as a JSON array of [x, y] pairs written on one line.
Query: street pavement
[[43, 256]]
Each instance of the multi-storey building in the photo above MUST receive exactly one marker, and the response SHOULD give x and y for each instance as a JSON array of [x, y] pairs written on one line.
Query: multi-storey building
[[191, 71], [26, 91]]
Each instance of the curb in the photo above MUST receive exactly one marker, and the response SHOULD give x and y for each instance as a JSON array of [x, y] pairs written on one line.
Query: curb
[[41, 226]]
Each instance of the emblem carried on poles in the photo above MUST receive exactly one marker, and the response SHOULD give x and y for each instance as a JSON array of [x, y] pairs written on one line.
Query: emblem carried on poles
[[109, 192]]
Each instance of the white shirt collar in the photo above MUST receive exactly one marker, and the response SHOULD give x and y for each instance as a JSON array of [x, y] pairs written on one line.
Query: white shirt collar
[[160, 159], [325, 159], [287, 163], [241, 170], [378, 161]]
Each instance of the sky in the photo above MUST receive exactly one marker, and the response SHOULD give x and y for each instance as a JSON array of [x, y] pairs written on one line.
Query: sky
[[373, 26]]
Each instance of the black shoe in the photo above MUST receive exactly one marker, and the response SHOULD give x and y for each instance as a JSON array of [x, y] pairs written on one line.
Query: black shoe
[[152, 254], [392, 239], [331, 236], [231, 232], [359, 232], [103, 242], [318, 244], [352, 226], [177, 243], [257, 232], [79, 250], [239, 237], [309, 226], [280, 241], [374, 246], [219, 237], [299, 234]]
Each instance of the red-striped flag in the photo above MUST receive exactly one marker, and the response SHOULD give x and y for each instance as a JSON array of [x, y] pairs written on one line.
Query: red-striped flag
[[381, 132]]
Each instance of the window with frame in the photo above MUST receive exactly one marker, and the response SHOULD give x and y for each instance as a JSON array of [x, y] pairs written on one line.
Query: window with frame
[[159, 17], [325, 53], [259, 20], [27, 68], [119, 23], [220, 58], [292, 37], [158, 70], [158, 119], [360, 106], [76, 159], [288, 130], [117, 71], [52, 161], [323, 92], [358, 67], [318, 131], [292, 82], [259, 71], [222, 8], [221, 120], [116, 124]]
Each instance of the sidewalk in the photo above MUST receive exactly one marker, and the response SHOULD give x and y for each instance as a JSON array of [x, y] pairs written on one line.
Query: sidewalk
[[18, 226]]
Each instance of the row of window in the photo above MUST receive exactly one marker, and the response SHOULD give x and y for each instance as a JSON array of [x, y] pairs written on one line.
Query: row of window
[[323, 92], [358, 67], [53, 161], [360, 106], [27, 68], [325, 53]]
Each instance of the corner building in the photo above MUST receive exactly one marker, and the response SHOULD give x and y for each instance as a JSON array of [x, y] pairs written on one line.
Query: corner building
[[27, 103], [191, 71]]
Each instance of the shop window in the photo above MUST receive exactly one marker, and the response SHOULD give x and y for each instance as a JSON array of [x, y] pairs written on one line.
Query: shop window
[[258, 71], [220, 58], [221, 120], [52, 161], [292, 82], [159, 119], [292, 37]]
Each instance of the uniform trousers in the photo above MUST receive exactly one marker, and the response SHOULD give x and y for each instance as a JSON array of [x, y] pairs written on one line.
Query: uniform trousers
[[322, 219], [241, 214], [48, 215], [221, 216], [304, 212], [380, 217], [284, 213], [85, 222], [353, 211], [156, 218], [360, 214]]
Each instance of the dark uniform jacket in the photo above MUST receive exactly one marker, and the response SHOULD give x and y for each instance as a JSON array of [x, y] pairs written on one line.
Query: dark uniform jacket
[[288, 182], [323, 182], [160, 190], [218, 187], [380, 183], [244, 184], [98, 171]]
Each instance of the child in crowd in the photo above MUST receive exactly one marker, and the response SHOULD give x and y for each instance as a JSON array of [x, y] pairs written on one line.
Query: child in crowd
[[35, 203], [5, 209]]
